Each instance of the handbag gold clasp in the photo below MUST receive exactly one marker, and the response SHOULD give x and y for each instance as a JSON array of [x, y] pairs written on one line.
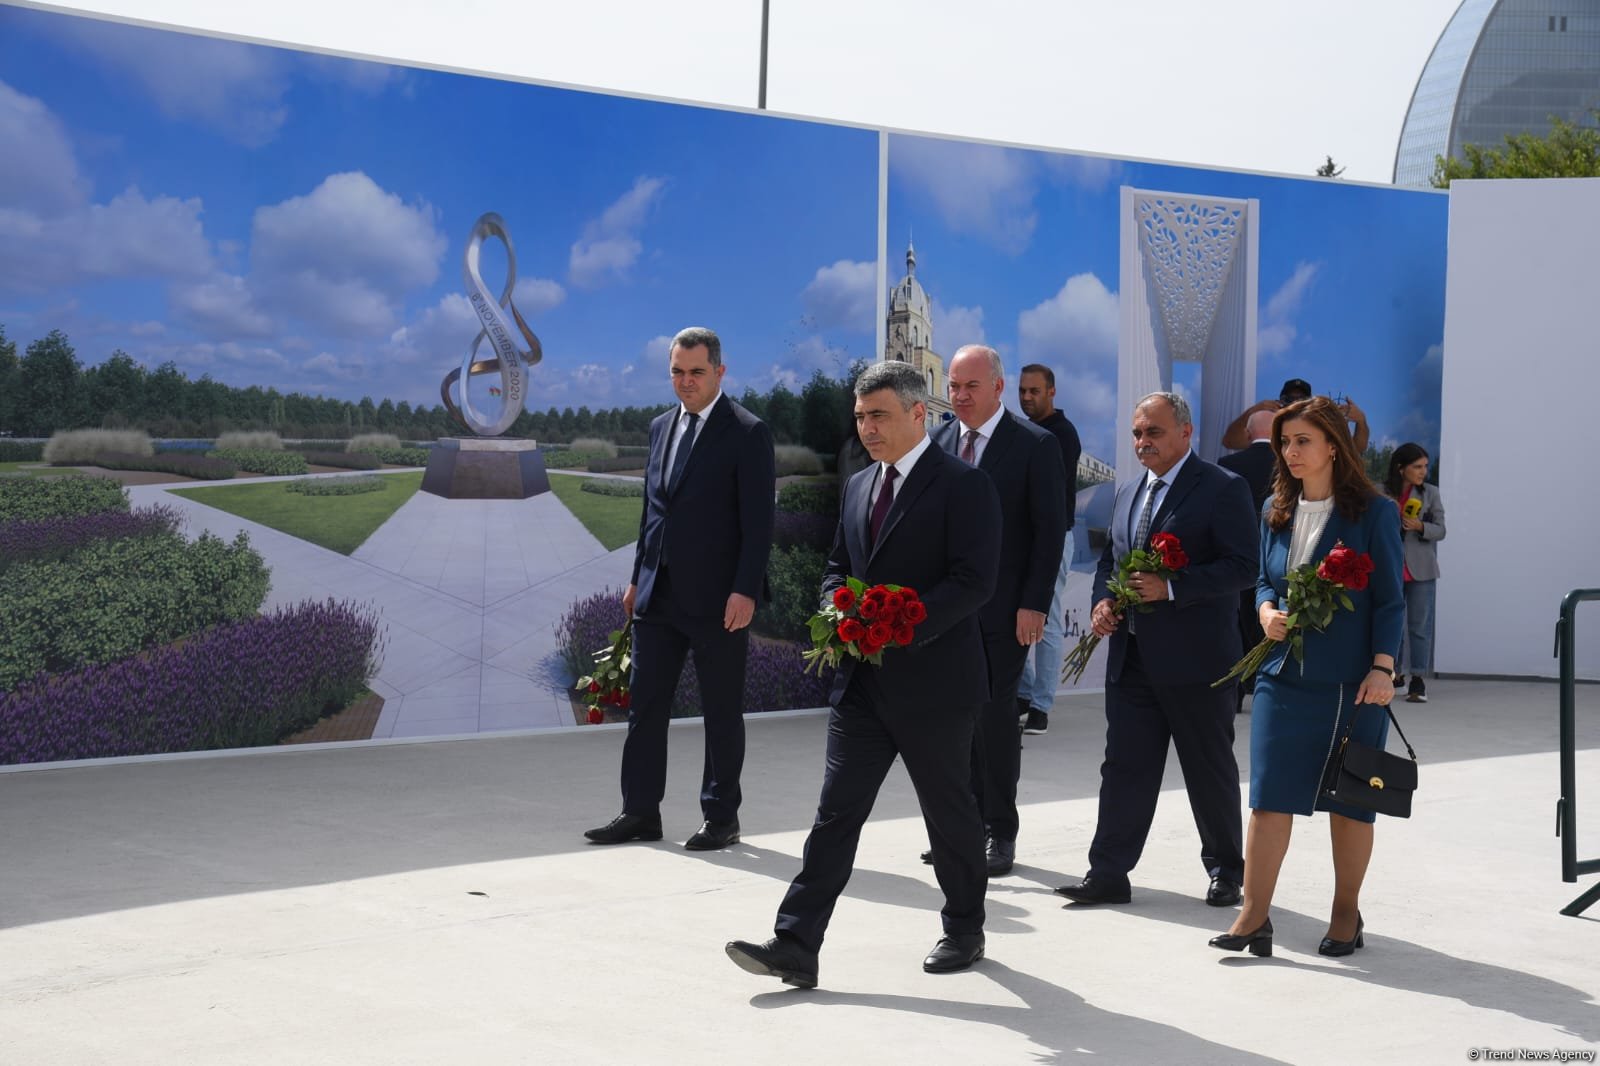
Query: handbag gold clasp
[[1375, 782]]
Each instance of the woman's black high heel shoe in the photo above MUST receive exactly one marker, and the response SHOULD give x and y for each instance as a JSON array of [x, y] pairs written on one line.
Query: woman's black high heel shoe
[[1340, 948], [1259, 942]]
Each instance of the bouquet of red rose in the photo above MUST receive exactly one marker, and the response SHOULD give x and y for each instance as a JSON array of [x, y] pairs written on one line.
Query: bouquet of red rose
[[862, 622], [1165, 558], [607, 686], [1316, 590]]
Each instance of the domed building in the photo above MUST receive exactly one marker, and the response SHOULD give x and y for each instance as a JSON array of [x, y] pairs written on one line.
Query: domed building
[[909, 337], [1501, 67]]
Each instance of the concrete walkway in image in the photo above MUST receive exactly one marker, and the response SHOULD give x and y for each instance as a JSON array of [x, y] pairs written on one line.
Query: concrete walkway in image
[[469, 591]]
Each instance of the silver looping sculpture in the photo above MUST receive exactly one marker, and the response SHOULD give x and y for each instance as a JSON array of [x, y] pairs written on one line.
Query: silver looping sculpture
[[516, 349]]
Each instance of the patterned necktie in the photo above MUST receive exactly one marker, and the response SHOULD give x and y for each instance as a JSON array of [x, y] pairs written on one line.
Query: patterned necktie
[[969, 448], [880, 510], [681, 460], [1141, 536]]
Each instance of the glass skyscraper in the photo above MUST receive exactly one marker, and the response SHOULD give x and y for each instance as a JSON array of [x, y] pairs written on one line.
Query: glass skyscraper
[[1501, 67]]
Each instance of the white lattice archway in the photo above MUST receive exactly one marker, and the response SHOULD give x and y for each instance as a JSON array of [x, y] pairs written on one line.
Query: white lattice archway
[[1188, 292]]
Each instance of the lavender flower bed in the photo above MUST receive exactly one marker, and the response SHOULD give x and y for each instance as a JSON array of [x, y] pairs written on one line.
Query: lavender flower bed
[[774, 672], [241, 684], [56, 538]]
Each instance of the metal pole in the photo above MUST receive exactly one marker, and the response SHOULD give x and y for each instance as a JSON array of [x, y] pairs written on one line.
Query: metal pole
[[761, 92], [1567, 806]]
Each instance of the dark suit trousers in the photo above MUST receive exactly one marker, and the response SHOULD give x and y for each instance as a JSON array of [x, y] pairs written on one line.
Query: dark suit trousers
[[662, 639], [1250, 633], [997, 743], [865, 733], [1141, 717]]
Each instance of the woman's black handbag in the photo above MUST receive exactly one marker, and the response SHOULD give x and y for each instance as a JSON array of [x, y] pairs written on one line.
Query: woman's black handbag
[[1370, 778]]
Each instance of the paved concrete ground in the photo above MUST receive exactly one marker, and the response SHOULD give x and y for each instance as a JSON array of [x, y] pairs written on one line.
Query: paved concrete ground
[[433, 902], [470, 592]]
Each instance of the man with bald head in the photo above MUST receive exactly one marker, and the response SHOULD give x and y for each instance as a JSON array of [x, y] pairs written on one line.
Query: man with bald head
[[1024, 462]]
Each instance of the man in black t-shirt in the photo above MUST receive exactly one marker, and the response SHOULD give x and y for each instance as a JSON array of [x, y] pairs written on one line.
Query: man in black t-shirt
[[1041, 674]]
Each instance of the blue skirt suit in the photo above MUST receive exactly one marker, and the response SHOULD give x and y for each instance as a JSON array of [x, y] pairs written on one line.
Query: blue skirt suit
[[1301, 709]]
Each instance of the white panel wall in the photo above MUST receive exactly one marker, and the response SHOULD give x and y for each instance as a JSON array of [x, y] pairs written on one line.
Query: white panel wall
[[1520, 470]]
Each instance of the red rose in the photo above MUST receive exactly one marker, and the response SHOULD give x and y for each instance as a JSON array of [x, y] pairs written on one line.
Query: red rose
[[908, 593], [877, 592], [594, 686], [843, 598], [894, 602], [626, 701], [1166, 545], [904, 635], [890, 617], [867, 648], [869, 608], [1161, 542], [851, 631], [880, 633], [915, 613], [596, 716]]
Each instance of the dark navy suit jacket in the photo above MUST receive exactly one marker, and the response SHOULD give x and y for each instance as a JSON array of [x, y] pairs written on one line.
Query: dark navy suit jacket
[[715, 530], [1343, 653], [1193, 637], [1024, 462], [942, 538]]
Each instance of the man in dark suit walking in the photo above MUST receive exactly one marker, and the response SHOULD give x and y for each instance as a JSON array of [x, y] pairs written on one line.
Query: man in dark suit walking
[[698, 568], [1161, 663], [1254, 464], [1024, 462], [919, 518]]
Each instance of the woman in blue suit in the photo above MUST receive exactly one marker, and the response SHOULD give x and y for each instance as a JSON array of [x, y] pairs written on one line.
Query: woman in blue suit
[[1321, 497]]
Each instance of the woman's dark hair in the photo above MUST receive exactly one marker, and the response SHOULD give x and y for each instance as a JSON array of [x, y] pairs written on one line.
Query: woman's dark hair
[[1352, 489], [1403, 456]]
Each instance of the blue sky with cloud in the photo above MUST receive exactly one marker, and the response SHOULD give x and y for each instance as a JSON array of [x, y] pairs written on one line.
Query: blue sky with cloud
[[298, 221], [1020, 249]]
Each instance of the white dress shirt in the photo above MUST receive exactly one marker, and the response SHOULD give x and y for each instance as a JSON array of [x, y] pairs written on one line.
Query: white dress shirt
[[683, 424]]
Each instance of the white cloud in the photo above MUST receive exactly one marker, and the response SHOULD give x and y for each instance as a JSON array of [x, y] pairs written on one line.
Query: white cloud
[[340, 368], [439, 336], [129, 237], [230, 88], [955, 326], [535, 296], [843, 296], [977, 189], [1091, 173], [220, 306], [1076, 327], [610, 244], [1276, 332], [1420, 422], [41, 170], [344, 255]]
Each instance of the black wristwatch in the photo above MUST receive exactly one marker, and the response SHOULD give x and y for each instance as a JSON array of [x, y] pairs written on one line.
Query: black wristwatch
[[1384, 670]]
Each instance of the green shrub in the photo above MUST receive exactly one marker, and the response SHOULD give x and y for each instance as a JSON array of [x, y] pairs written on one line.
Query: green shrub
[[605, 466], [809, 497], [262, 461], [186, 464], [404, 456], [74, 447], [346, 460], [595, 446], [255, 440], [372, 442], [21, 451], [566, 459], [612, 487], [796, 459], [319, 445], [33, 498], [117, 597], [335, 486], [795, 574], [635, 450]]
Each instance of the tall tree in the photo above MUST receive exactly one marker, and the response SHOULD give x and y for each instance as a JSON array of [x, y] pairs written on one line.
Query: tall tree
[[10, 381], [1567, 151], [49, 396]]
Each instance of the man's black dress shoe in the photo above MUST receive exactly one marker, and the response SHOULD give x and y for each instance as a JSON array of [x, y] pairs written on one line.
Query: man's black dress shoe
[[626, 827], [1002, 853], [1093, 890], [780, 958], [1223, 893], [955, 951], [1259, 942], [1340, 948], [714, 835]]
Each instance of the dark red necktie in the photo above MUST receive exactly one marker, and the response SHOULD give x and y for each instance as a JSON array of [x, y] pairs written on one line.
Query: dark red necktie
[[880, 510]]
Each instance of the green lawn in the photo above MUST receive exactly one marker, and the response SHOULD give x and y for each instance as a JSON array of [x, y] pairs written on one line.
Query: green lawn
[[23, 470], [339, 523], [614, 520]]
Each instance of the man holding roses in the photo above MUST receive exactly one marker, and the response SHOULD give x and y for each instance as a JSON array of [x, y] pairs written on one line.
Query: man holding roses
[[916, 519], [1161, 661]]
